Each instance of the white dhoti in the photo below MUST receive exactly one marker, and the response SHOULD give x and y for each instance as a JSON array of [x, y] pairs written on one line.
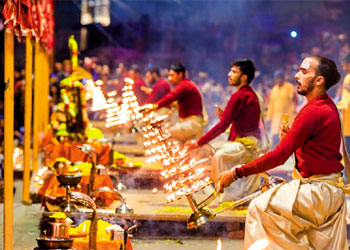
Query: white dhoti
[[301, 214], [190, 128], [231, 154]]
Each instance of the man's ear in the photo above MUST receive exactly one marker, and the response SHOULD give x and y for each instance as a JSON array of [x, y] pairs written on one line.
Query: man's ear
[[320, 80], [244, 77]]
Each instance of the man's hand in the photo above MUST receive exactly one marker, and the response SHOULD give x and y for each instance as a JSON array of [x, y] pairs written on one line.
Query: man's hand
[[284, 131], [226, 179], [191, 145], [219, 111], [148, 91]]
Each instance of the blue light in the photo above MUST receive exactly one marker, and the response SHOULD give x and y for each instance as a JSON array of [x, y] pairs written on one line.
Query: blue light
[[293, 34]]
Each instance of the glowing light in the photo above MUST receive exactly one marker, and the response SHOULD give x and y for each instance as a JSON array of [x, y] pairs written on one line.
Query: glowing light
[[154, 190], [127, 112], [112, 93], [259, 245], [95, 93], [99, 83], [293, 34], [219, 246], [84, 227]]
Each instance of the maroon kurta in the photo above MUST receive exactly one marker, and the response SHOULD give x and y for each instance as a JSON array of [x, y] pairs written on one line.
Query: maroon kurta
[[314, 136], [140, 95], [188, 97], [159, 90], [242, 112]]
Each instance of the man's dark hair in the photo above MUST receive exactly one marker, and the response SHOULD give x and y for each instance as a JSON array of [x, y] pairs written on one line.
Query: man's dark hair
[[154, 70], [328, 69], [178, 67], [247, 68]]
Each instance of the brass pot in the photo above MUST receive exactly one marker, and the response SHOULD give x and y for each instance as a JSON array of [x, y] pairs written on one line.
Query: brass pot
[[58, 228]]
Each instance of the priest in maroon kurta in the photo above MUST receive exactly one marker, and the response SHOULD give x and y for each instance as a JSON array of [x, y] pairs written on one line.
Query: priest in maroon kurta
[[160, 86], [159, 90], [134, 73], [188, 97], [190, 105], [242, 112], [315, 139], [309, 211]]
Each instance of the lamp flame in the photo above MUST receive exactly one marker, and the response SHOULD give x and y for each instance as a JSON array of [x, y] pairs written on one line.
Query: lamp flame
[[219, 246], [84, 227]]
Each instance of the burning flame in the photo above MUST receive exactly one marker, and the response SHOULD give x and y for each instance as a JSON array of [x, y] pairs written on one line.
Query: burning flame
[[112, 93], [84, 227], [259, 245], [219, 247]]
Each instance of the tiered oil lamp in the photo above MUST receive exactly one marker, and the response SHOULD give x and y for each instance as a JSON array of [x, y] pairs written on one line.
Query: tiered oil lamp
[[89, 87], [99, 101], [184, 177], [127, 111]]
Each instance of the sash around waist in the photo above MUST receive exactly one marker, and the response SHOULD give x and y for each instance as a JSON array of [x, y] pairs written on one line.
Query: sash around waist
[[335, 179]]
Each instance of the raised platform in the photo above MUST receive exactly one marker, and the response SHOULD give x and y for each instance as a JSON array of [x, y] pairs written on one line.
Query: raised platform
[[153, 215]]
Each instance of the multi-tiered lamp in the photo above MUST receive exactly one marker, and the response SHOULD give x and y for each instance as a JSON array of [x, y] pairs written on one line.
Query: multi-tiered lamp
[[127, 111]]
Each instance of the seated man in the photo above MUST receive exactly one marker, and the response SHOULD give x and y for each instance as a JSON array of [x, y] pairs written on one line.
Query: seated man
[[139, 83], [190, 105], [160, 87], [243, 114], [308, 212]]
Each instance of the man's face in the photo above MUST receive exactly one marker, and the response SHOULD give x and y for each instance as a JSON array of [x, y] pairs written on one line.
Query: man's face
[[67, 68], [174, 77], [306, 76], [149, 77], [58, 66], [234, 76]]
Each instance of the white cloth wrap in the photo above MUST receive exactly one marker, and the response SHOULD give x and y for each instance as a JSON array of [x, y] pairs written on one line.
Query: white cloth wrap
[[190, 128], [228, 155], [300, 214]]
